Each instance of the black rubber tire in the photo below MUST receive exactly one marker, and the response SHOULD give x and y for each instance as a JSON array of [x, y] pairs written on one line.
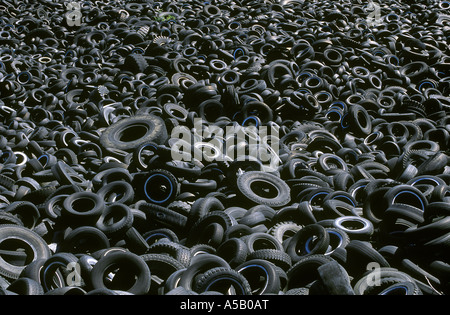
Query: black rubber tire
[[129, 133], [35, 248], [200, 264], [374, 282], [117, 192], [331, 164], [234, 250], [279, 191], [334, 208], [251, 270], [66, 291], [334, 279], [360, 255], [115, 220], [219, 279], [164, 217], [359, 120], [261, 240], [157, 186], [135, 63], [338, 235], [202, 207], [175, 250], [84, 240], [161, 267], [284, 230], [57, 268], [278, 257], [304, 271], [406, 194], [402, 288], [210, 229], [356, 227], [135, 276], [135, 242], [299, 245], [26, 286]]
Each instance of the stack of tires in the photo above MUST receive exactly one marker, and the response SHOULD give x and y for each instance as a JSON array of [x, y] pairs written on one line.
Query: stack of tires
[[135, 157]]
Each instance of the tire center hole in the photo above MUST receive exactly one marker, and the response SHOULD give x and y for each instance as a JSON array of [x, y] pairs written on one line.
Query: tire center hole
[[16, 252], [158, 187], [264, 189], [83, 205], [133, 133]]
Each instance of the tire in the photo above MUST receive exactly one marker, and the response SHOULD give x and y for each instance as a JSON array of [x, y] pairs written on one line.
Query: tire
[[306, 215], [335, 279], [135, 242], [360, 256], [338, 239], [161, 267], [33, 270], [135, 63], [66, 291], [434, 165], [26, 286], [284, 230], [356, 227], [428, 230], [210, 229], [252, 219], [359, 120], [115, 220], [55, 271], [202, 207], [406, 194], [399, 217], [435, 210], [418, 273], [12, 236], [117, 192], [254, 185], [133, 274], [300, 244], [374, 282], [177, 251], [402, 288], [331, 164], [278, 257], [157, 186], [200, 264], [261, 240], [305, 271], [221, 280], [26, 211], [334, 208], [163, 217], [84, 240], [129, 133], [256, 269], [234, 250], [155, 235]]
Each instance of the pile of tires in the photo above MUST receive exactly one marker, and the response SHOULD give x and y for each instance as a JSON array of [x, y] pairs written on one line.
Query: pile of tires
[[121, 173]]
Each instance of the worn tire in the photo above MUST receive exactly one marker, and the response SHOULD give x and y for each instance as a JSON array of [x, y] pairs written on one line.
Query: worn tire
[[129, 133]]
